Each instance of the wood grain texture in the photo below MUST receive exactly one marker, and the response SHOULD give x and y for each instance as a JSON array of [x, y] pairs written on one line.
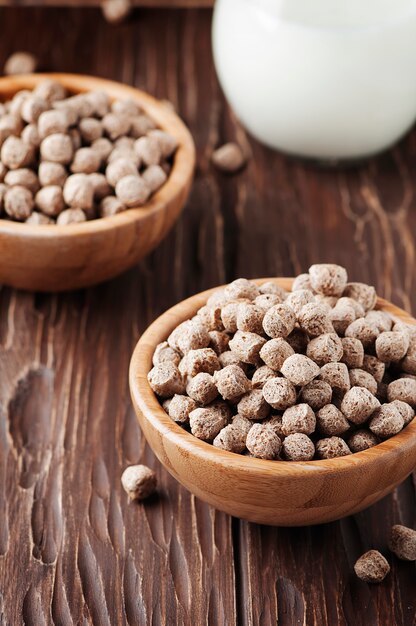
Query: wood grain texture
[[72, 551]]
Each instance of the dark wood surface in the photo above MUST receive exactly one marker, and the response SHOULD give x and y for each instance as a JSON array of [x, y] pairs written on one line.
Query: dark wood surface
[[72, 550]]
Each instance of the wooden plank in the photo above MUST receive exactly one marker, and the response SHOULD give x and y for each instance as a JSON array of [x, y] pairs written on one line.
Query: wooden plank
[[149, 4]]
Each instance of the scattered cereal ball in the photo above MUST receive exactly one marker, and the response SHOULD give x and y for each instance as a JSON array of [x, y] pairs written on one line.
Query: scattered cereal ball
[[241, 288], [207, 422], [266, 300], [180, 407], [218, 341], [330, 421], [148, 150], [263, 442], [71, 216], [18, 202], [403, 389], [328, 279], [38, 219], [405, 411], [372, 567], [154, 177], [24, 177], [362, 440], [302, 281], [364, 294], [52, 122], [118, 169], [228, 158], [358, 404], [247, 346], [336, 375], [317, 394], [403, 542], [166, 380], [165, 354], [201, 360], [326, 348], [15, 153], [298, 447], [374, 366], [30, 135], [299, 419], [352, 352], [103, 147], [297, 299], [86, 160], [253, 406], [57, 148], [331, 448], [299, 369], [132, 191], [231, 382], [139, 481], [279, 393], [314, 319], [202, 388], [391, 346], [279, 321], [78, 191], [50, 90], [249, 318], [20, 63], [361, 378], [261, 376], [52, 174], [269, 287], [50, 200], [231, 438], [386, 421], [274, 353], [341, 316], [115, 125]]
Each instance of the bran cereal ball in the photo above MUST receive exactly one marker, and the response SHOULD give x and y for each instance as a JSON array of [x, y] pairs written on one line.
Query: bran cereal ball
[[141, 125], [201, 360], [269, 287], [101, 187], [362, 440], [352, 352], [165, 354], [24, 177], [86, 161], [217, 299], [358, 404], [380, 319], [330, 421], [361, 378], [314, 319], [154, 177], [78, 191], [115, 125], [228, 158], [71, 216], [405, 411], [298, 447], [253, 406], [279, 321], [275, 422], [180, 407], [317, 394], [331, 448], [75, 137], [231, 438], [229, 315], [299, 419], [132, 191], [364, 331], [279, 393], [336, 375], [358, 308], [298, 340], [15, 153], [218, 341], [297, 299], [52, 174], [30, 136], [103, 147], [51, 122], [20, 63], [372, 567], [408, 364], [364, 294], [210, 317], [148, 150], [10, 125], [229, 358], [329, 301], [403, 389], [50, 200], [265, 301], [403, 542], [111, 206], [247, 346], [299, 369], [249, 318], [139, 482], [242, 423], [263, 443], [194, 336], [241, 288], [326, 348], [341, 316], [374, 366], [50, 90], [166, 380], [275, 352], [126, 106], [57, 148], [261, 376], [303, 281], [38, 219], [91, 129], [207, 422], [202, 388], [391, 346], [31, 109], [328, 279], [167, 142], [232, 383], [18, 202], [386, 421], [118, 169]]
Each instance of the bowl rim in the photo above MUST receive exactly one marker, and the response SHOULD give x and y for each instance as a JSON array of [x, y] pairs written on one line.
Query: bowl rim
[[145, 400], [165, 118]]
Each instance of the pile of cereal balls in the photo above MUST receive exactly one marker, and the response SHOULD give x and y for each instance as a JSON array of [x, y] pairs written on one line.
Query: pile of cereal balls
[[67, 159], [315, 373]]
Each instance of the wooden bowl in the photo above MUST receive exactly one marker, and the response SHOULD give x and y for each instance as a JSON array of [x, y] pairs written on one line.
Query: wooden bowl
[[58, 258], [280, 493]]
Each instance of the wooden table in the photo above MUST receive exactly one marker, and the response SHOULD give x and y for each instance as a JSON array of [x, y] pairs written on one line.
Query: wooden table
[[72, 551]]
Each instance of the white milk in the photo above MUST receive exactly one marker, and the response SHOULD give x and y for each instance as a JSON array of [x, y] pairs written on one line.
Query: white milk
[[330, 79]]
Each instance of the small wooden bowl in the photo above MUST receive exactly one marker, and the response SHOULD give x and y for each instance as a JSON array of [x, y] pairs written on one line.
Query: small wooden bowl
[[280, 493], [59, 258]]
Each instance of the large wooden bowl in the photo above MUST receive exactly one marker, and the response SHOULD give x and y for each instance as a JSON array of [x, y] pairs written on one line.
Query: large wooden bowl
[[268, 492], [57, 258]]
